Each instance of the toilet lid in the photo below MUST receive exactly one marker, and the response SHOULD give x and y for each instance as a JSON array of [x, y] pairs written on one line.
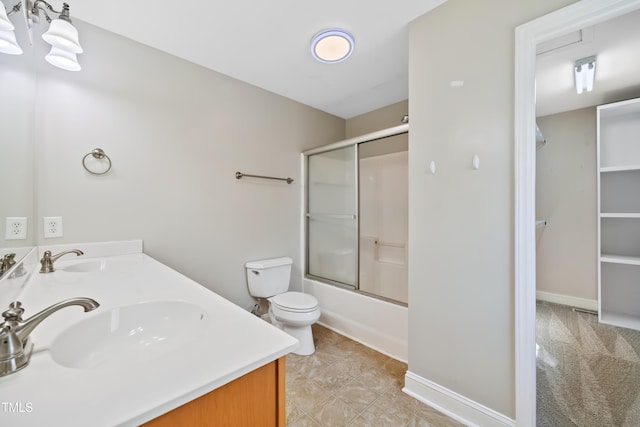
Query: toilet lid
[[295, 301]]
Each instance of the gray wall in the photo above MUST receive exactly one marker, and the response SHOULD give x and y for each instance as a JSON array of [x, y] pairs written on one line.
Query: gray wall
[[176, 134], [566, 197], [461, 334], [382, 118]]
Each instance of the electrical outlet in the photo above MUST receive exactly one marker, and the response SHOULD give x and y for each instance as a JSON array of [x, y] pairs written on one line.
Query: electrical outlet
[[16, 228], [52, 226]]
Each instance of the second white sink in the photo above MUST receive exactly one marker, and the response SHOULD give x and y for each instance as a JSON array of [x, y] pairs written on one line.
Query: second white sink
[[86, 267], [131, 334]]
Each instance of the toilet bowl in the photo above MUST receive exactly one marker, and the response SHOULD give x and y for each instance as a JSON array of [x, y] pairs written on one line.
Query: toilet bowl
[[293, 312]]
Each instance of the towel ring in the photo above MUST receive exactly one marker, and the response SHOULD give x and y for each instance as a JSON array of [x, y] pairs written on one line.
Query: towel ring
[[99, 154]]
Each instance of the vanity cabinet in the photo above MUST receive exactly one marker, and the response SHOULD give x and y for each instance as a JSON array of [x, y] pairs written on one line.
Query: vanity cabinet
[[619, 213], [255, 399]]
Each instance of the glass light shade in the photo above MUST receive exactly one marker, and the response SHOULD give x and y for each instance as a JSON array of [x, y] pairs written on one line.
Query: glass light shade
[[8, 43], [62, 58], [579, 76], [5, 24], [63, 35], [590, 76], [585, 74], [332, 45]]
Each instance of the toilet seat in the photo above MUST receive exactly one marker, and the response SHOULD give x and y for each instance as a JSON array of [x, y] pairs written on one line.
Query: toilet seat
[[294, 319], [294, 309], [295, 302]]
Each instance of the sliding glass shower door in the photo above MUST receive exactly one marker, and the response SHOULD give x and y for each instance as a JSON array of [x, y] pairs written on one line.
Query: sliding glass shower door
[[332, 215], [384, 213], [357, 215]]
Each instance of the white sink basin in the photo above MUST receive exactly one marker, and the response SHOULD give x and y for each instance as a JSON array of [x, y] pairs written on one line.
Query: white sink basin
[[131, 334], [95, 265], [86, 267]]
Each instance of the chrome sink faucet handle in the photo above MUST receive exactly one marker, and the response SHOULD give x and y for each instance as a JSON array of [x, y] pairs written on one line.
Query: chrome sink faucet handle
[[47, 259], [7, 262], [15, 344]]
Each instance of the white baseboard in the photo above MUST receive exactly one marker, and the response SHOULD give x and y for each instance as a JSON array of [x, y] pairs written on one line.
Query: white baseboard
[[586, 304], [452, 404]]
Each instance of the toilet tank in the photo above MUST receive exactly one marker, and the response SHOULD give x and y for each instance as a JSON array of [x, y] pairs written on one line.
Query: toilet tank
[[268, 277]]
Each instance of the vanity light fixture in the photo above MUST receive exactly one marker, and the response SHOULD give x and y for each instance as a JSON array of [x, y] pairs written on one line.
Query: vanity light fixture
[[332, 45], [585, 73], [61, 35]]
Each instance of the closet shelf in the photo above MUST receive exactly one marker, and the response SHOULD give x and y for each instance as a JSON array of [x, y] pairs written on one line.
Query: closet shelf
[[618, 163], [619, 259], [620, 215], [620, 319], [620, 168]]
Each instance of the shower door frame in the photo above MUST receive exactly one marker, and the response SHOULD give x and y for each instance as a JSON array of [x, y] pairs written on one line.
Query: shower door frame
[[355, 216], [384, 133]]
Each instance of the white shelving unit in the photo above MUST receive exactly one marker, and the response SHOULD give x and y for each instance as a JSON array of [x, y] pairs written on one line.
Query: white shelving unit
[[619, 213]]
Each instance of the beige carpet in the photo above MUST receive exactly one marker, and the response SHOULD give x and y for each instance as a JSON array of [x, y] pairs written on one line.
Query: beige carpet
[[588, 374]]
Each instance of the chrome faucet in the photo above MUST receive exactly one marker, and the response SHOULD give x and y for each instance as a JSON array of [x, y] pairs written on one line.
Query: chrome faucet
[[15, 344], [47, 259], [6, 262]]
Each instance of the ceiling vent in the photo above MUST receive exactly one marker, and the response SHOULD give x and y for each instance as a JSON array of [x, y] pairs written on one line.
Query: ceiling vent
[[573, 38]]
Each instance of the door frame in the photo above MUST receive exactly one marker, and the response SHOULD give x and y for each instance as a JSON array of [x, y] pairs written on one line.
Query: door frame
[[571, 18]]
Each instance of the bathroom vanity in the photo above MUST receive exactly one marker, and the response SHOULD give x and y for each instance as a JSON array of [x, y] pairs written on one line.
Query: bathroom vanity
[[255, 399], [160, 350]]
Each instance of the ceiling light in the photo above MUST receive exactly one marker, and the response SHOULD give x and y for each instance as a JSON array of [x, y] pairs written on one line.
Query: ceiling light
[[61, 35], [585, 73], [332, 45], [63, 59]]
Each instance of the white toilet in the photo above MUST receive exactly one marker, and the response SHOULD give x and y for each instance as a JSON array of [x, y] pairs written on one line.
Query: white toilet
[[293, 312]]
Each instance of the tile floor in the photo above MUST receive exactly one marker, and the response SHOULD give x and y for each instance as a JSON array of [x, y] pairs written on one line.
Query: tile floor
[[345, 383]]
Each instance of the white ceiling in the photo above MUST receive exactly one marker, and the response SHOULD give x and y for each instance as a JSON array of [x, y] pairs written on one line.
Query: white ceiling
[[617, 46], [266, 44]]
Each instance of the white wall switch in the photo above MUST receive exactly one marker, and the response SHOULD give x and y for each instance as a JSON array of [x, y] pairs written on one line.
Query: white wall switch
[[16, 228], [52, 226]]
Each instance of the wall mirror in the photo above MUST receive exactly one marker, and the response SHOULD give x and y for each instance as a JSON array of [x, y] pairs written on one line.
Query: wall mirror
[[17, 135]]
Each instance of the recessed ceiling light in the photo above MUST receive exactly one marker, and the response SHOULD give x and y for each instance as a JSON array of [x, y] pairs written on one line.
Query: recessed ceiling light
[[332, 45]]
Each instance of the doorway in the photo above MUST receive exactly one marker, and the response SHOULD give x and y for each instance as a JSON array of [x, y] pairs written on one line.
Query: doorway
[[571, 18]]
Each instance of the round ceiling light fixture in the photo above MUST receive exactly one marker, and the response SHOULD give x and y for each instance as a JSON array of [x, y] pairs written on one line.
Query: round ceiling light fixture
[[332, 45]]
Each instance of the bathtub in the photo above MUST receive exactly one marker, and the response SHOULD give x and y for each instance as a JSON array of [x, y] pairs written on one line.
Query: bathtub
[[378, 324]]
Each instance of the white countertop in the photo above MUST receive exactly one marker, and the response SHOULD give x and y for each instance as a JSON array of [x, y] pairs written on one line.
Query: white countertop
[[46, 393]]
